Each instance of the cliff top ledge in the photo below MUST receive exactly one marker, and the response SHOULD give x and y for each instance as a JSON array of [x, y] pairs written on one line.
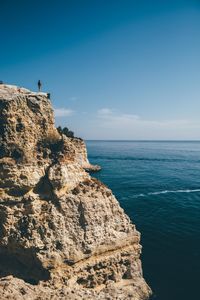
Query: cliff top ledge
[[8, 92]]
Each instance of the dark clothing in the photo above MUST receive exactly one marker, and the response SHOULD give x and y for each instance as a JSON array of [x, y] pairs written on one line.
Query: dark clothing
[[39, 85]]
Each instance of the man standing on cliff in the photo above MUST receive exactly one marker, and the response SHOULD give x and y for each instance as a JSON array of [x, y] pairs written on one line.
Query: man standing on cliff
[[39, 85]]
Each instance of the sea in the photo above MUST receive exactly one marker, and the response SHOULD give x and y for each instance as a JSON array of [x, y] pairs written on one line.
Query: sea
[[158, 185]]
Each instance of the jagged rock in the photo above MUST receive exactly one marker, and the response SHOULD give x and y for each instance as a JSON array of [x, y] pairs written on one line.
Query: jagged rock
[[63, 234], [81, 155]]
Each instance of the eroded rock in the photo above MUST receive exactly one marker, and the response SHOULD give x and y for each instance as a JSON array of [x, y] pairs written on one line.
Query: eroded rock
[[63, 233], [81, 155]]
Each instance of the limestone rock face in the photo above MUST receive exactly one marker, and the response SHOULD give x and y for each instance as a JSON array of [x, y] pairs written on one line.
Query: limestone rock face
[[81, 155], [63, 234]]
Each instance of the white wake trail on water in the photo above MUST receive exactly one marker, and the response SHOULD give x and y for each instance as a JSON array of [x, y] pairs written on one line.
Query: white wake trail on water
[[167, 192]]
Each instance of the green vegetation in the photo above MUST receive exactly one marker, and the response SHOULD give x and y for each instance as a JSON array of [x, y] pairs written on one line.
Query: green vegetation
[[65, 131]]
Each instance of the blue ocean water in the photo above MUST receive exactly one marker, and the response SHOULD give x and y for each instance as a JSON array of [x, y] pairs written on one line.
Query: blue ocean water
[[158, 185]]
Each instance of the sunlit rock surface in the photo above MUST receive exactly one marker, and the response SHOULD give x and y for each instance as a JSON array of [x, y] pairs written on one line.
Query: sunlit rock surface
[[63, 233]]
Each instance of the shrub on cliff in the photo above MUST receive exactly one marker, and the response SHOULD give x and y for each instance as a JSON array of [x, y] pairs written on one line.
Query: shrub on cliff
[[52, 138], [52, 141], [65, 131]]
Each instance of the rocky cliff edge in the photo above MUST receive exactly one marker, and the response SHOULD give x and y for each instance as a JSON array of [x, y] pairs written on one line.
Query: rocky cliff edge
[[63, 234]]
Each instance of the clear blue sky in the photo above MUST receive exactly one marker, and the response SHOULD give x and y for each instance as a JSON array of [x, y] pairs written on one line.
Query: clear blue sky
[[116, 69]]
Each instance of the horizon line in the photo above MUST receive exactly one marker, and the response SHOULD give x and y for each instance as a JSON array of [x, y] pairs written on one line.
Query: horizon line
[[132, 140]]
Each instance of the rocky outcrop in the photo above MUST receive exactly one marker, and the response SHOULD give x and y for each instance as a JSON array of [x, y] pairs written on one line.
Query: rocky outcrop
[[63, 233], [81, 155]]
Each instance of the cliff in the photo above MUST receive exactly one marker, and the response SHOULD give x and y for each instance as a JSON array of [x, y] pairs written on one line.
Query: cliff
[[63, 234]]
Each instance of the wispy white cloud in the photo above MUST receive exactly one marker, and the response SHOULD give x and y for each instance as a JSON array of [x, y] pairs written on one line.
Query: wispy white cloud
[[104, 112], [73, 98], [63, 112], [131, 126], [110, 115]]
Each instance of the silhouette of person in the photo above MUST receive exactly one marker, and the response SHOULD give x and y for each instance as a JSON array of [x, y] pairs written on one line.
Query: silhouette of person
[[39, 85]]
